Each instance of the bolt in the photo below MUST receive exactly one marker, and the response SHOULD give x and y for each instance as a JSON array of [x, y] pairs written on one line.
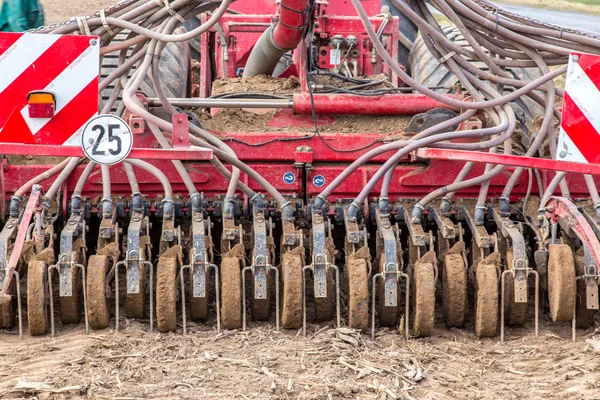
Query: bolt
[[180, 138], [179, 120], [575, 58], [93, 42]]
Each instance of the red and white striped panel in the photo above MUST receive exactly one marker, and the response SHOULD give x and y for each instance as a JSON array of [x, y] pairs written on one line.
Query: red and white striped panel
[[579, 138], [66, 65]]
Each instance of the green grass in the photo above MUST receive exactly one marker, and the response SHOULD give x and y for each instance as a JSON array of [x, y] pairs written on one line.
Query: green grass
[[583, 6]]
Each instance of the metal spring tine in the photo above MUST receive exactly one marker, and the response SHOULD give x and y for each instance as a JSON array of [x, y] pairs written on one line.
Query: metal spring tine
[[502, 290], [304, 269], [50, 268], [85, 313], [407, 306], [337, 294], [244, 270], [374, 289], [19, 308], [537, 301], [151, 272], [184, 317], [117, 265], [218, 296], [574, 319], [276, 295]]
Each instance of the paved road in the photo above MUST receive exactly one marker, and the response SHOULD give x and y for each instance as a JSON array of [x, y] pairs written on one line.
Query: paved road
[[565, 18]]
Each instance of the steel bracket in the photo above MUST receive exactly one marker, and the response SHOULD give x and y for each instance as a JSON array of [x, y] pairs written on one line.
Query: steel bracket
[[483, 239], [260, 255], [419, 237], [444, 224], [320, 260]]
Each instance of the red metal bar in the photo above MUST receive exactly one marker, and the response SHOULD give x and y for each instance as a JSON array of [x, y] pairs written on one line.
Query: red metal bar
[[189, 154], [388, 104], [561, 208], [516, 161], [32, 204]]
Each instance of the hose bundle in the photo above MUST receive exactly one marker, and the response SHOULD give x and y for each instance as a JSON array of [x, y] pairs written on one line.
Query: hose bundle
[[497, 40]]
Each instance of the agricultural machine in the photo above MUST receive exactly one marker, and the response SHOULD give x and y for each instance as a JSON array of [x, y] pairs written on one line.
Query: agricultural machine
[[351, 162]]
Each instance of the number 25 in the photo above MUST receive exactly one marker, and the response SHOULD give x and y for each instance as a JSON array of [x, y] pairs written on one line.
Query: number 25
[[111, 138]]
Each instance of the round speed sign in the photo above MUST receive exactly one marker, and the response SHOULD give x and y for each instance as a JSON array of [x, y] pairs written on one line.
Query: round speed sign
[[107, 139]]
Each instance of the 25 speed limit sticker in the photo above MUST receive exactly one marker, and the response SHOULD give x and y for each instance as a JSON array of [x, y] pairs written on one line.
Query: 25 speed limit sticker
[[107, 139]]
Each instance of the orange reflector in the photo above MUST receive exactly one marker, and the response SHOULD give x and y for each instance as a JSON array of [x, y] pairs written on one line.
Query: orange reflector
[[40, 98]]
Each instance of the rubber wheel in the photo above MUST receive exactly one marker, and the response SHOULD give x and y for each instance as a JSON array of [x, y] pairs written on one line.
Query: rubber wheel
[[166, 294], [424, 295], [585, 317], [388, 315], [514, 313], [291, 279], [198, 305], [325, 306], [173, 70], [427, 70], [135, 303], [37, 298], [486, 296], [561, 282], [70, 306], [97, 302], [7, 308], [454, 289], [358, 294], [231, 293], [262, 307]]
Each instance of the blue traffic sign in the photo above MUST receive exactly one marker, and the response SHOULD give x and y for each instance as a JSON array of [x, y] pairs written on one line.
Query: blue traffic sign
[[319, 180], [289, 178]]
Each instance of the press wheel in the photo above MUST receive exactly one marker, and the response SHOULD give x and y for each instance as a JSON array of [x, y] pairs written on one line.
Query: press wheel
[[135, 303], [325, 306], [358, 293], [70, 306], [585, 317], [423, 290], [291, 278], [515, 313], [166, 293], [37, 298], [454, 287], [486, 296], [198, 305], [561, 282], [262, 307], [97, 302], [231, 293], [7, 308], [388, 315]]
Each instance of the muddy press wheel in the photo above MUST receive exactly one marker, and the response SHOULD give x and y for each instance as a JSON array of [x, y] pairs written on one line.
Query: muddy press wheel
[[37, 298], [388, 315], [166, 294], [135, 303], [97, 302], [70, 306], [486, 296], [585, 317], [7, 308], [231, 293], [325, 306], [561, 282], [454, 287], [358, 293], [423, 291], [291, 278], [198, 305], [515, 313]]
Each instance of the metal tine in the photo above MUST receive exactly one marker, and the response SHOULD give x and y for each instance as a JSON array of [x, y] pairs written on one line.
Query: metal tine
[[217, 300], [399, 275], [51, 294], [311, 267], [117, 296], [251, 268]]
